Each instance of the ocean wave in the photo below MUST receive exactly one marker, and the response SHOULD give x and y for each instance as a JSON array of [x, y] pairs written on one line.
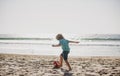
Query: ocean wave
[[25, 38], [101, 39]]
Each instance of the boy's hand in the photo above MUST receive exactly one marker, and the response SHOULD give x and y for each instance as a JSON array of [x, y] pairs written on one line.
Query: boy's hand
[[56, 45], [77, 42]]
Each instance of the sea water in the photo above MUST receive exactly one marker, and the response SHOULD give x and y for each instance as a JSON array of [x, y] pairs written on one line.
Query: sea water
[[90, 45]]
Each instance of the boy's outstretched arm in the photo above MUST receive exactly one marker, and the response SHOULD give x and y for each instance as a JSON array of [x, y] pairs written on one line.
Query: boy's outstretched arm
[[56, 45], [73, 41]]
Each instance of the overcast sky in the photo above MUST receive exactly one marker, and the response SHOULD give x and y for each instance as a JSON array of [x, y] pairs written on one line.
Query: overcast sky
[[60, 16]]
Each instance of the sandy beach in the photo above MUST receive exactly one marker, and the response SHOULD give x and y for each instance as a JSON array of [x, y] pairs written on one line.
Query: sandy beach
[[34, 65]]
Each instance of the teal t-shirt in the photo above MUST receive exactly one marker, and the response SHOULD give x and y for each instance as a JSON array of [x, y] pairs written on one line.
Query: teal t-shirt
[[65, 44]]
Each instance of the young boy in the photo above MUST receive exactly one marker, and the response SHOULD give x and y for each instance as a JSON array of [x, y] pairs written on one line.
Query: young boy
[[65, 47]]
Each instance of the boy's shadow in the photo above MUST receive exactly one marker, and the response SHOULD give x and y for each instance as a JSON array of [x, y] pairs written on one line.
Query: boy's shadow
[[66, 73]]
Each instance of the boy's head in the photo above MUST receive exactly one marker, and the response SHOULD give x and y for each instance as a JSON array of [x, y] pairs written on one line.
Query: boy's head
[[59, 36]]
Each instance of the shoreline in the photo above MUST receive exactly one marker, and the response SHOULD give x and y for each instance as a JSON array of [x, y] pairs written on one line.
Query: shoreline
[[41, 65], [71, 56]]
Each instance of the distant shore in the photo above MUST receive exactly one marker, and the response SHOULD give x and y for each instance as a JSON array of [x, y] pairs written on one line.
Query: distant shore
[[42, 65]]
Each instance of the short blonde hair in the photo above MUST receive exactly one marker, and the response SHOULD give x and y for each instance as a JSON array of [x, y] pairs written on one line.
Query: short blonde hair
[[59, 36]]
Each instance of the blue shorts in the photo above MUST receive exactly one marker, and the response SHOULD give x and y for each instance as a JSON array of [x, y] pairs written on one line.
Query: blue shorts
[[64, 54]]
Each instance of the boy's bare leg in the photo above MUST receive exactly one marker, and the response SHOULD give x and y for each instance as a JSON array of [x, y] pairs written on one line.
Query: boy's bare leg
[[61, 61], [67, 63]]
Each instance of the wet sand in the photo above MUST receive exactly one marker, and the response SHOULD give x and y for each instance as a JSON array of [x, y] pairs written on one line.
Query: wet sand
[[34, 65]]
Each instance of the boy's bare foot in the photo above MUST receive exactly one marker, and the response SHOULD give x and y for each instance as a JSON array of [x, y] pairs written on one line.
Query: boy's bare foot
[[60, 65], [70, 69]]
